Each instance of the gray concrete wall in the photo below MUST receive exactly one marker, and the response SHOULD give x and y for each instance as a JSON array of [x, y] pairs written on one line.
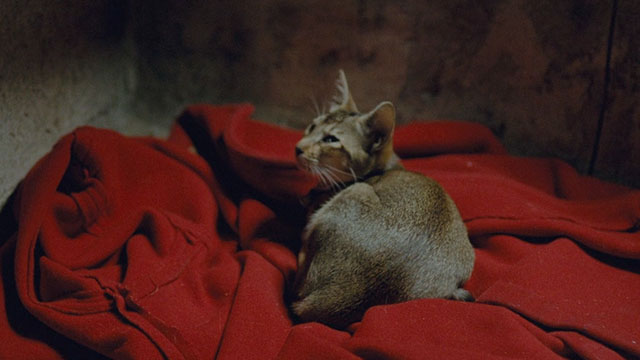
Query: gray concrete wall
[[533, 71]]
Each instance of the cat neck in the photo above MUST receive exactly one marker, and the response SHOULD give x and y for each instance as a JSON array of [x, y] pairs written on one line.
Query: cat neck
[[318, 196], [391, 162], [387, 160]]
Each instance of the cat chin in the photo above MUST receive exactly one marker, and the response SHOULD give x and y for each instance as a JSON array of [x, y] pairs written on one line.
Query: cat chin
[[322, 187], [303, 163]]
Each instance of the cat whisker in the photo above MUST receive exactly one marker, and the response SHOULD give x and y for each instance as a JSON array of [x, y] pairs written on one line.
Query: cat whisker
[[309, 160], [322, 176], [316, 107], [315, 173], [335, 169], [318, 173], [336, 181], [334, 178], [353, 173]]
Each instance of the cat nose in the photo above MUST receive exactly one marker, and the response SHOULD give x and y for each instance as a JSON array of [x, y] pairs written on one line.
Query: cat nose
[[298, 151]]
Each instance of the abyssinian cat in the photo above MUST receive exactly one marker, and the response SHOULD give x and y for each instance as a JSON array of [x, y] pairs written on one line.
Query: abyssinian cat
[[385, 235]]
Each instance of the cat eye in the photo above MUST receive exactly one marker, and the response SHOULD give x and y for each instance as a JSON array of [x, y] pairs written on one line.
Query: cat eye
[[310, 128], [330, 139]]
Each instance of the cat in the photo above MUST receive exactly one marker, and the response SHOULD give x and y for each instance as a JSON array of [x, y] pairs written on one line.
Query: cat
[[385, 234]]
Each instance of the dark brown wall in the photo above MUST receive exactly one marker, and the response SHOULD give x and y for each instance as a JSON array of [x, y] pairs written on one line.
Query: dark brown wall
[[533, 71], [618, 152]]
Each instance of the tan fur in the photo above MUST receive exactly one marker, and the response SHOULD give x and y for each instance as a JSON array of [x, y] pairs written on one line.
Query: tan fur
[[391, 236]]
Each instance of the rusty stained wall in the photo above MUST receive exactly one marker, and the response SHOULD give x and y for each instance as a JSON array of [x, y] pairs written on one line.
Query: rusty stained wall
[[533, 71]]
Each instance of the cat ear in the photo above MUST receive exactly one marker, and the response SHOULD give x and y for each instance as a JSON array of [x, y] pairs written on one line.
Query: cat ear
[[379, 124], [343, 99]]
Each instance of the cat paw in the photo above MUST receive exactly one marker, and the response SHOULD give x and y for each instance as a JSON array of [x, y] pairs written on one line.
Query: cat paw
[[462, 295]]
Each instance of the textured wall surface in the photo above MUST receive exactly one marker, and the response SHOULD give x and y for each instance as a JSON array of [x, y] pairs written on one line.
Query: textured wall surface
[[550, 78], [618, 155], [59, 67], [533, 71]]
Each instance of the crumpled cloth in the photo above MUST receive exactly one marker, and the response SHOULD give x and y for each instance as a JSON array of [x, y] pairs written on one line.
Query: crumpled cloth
[[137, 248]]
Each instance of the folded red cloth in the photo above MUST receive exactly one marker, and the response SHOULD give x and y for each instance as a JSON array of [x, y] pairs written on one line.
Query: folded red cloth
[[138, 248]]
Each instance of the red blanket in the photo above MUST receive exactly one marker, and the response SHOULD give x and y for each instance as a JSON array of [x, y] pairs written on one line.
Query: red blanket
[[138, 248]]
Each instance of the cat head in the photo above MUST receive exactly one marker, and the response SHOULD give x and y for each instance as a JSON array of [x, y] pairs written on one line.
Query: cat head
[[346, 145]]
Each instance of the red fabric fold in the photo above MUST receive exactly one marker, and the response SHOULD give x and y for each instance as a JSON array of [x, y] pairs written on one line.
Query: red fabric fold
[[138, 248]]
